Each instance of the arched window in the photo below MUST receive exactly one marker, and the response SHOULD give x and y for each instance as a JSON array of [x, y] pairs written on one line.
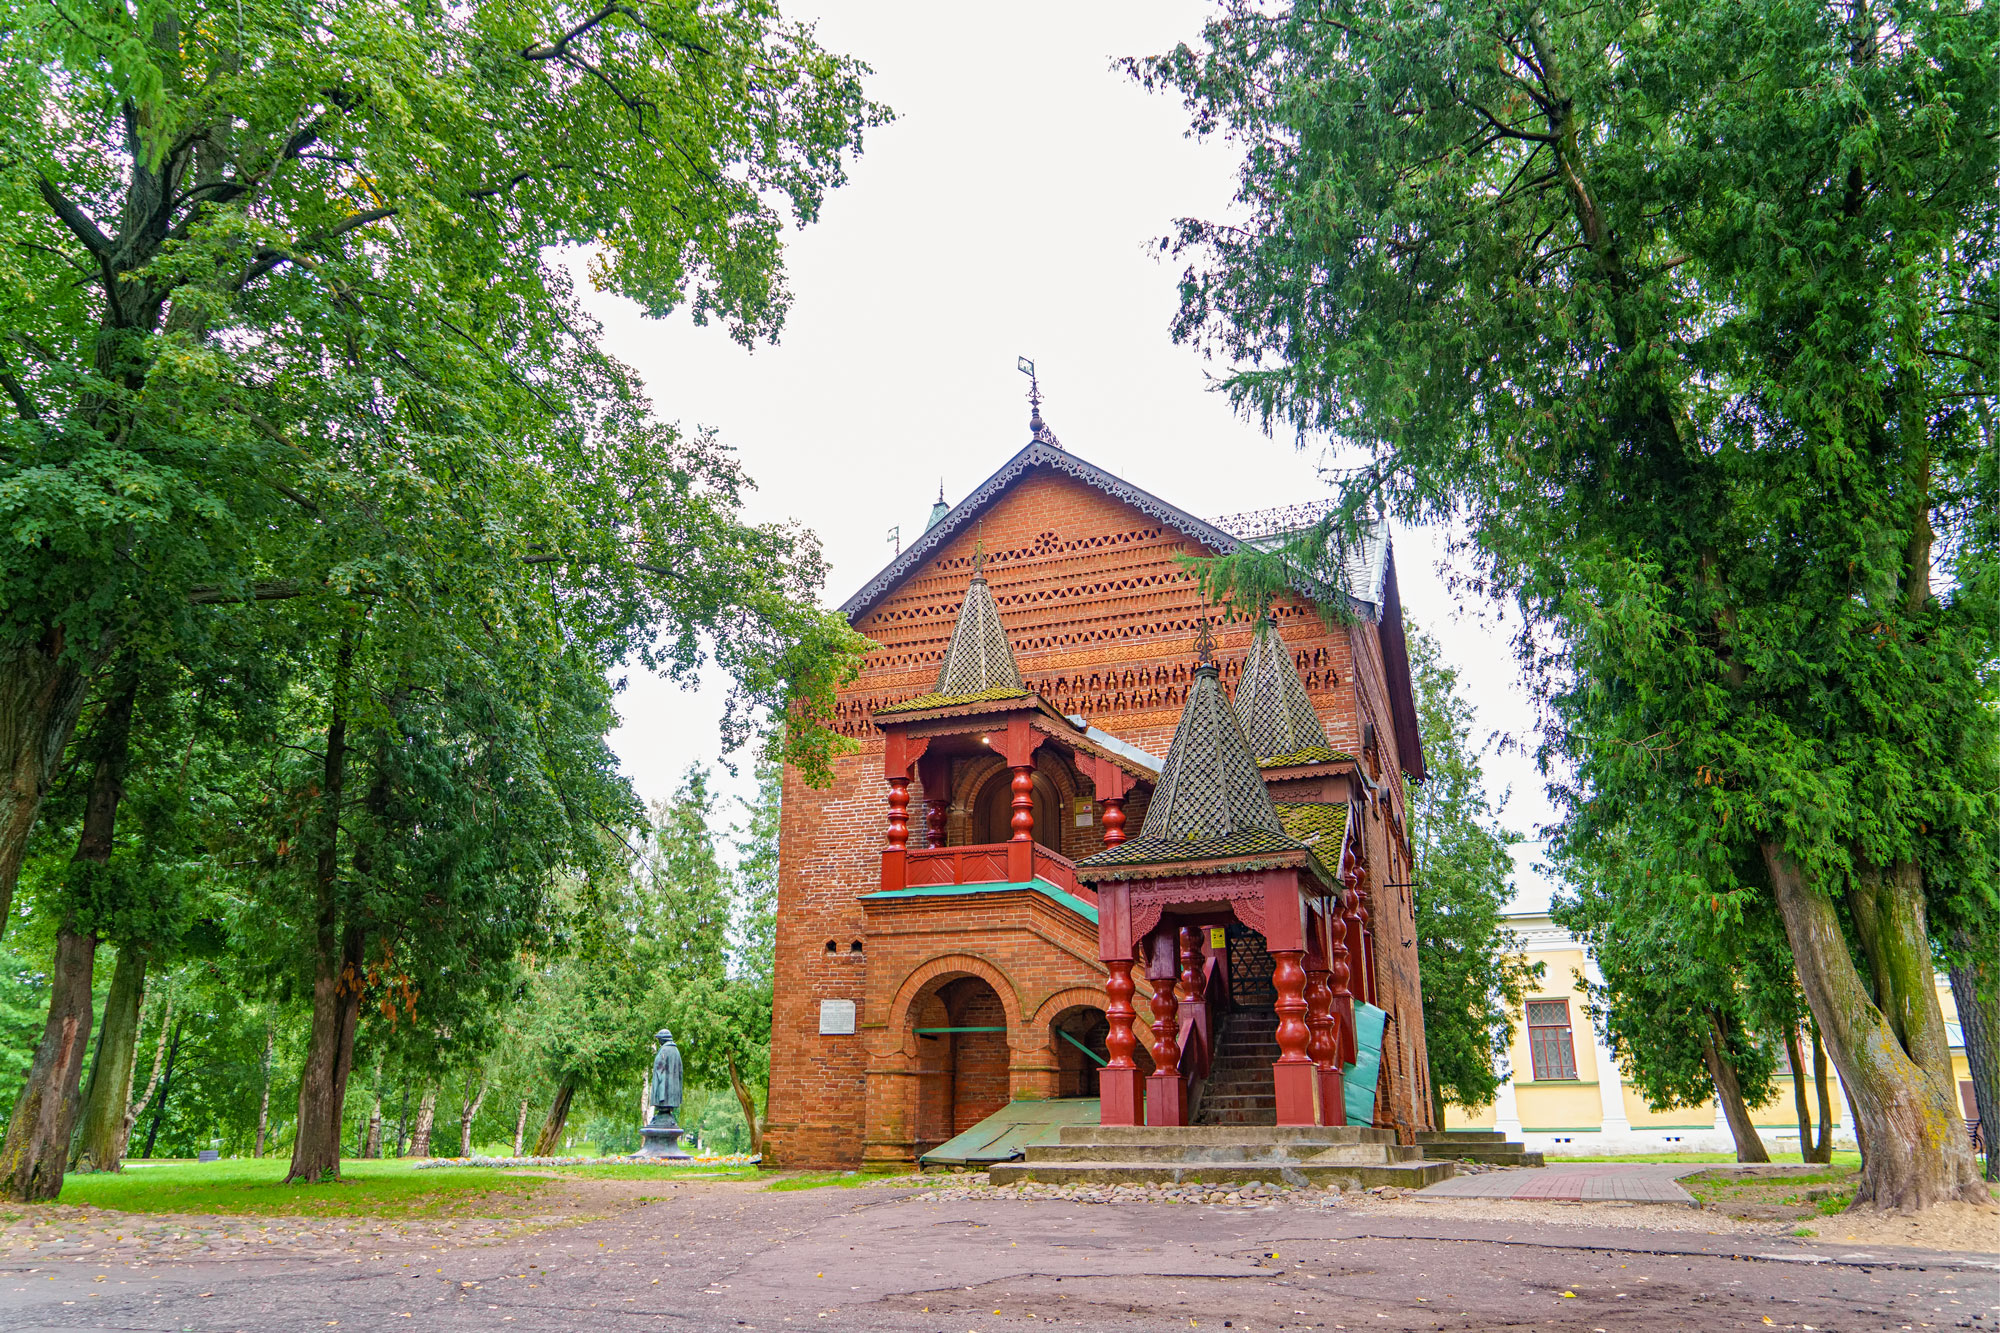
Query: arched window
[[993, 817]]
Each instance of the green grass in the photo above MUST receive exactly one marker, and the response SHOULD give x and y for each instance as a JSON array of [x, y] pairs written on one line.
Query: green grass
[[387, 1189]]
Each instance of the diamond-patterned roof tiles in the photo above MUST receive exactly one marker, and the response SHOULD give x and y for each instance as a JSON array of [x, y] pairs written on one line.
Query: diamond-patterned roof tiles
[[979, 659], [1279, 723]]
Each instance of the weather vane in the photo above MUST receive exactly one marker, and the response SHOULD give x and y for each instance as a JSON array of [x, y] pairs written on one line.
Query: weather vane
[[896, 536], [1027, 367], [1204, 643]]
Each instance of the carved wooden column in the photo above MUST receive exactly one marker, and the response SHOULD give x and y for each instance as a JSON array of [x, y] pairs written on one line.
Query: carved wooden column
[[1114, 820], [1293, 1077], [934, 813], [1119, 1100], [1357, 953], [1322, 1044], [899, 813], [1367, 948], [1341, 1009], [1166, 1095]]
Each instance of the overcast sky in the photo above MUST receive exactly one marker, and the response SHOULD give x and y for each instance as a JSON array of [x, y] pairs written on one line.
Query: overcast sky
[[1013, 208]]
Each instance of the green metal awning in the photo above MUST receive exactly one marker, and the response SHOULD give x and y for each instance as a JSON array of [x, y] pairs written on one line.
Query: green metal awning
[[1005, 1135]]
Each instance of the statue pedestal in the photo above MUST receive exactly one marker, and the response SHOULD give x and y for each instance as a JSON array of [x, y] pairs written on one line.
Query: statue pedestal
[[661, 1138]]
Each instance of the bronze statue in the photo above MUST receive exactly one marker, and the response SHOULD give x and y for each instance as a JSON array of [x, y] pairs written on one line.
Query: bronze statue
[[661, 1136], [666, 1084]]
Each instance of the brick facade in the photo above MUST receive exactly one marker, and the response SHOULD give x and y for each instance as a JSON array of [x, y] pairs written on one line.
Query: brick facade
[[1101, 618]]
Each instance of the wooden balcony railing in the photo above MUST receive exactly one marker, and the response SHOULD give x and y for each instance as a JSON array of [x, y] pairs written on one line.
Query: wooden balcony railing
[[983, 863]]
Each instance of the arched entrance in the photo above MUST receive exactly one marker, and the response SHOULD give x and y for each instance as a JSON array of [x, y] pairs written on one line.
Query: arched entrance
[[1078, 1037], [960, 1028], [993, 811]]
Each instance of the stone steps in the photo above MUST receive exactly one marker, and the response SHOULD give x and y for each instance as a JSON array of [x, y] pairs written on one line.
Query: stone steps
[[1476, 1145], [1349, 1176], [1291, 1138], [1350, 1154]]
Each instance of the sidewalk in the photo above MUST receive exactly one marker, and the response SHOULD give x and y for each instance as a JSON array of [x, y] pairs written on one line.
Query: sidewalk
[[1576, 1182]]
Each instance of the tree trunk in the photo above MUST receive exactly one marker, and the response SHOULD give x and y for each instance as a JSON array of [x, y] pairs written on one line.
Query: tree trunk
[[372, 1148], [1729, 1095], [166, 1088], [42, 693], [100, 1143], [549, 1141], [749, 1105], [1892, 1057], [138, 1108], [1975, 988], [32, 1159], [1799, 1102], [520, 1126], [1823, 1149], [36, 1150], [264, 1102], [420, 1141], [337, 971], [467, 1115]]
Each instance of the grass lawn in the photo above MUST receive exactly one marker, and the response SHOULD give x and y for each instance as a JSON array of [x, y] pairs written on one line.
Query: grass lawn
[[368, 1188]]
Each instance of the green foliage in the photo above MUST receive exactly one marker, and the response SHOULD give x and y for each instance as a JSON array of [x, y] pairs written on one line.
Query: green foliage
[[1685, 316], [24, 1007], [1472, 966]]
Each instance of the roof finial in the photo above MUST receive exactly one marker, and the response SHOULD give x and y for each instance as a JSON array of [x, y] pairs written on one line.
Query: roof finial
[[1204, 644], [978, 550], [1038, 430]]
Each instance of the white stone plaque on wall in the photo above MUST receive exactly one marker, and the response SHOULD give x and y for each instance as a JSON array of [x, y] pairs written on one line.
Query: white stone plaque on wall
[[836, 1018]]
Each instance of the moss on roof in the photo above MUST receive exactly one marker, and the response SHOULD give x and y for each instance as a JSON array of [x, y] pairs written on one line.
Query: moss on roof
[[925, 702]]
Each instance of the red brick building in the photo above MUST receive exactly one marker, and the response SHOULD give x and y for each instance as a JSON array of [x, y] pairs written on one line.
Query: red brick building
[[937, 952]]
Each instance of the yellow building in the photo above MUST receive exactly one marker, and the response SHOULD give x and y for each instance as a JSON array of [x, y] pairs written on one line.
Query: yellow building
[[1564, 1094]]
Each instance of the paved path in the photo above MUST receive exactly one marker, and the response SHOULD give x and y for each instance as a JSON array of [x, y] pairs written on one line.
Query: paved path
[[1576, 1182], [728, 1258]]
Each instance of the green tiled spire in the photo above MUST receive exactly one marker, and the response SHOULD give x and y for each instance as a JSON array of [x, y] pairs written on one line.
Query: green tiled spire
[[979, 659], [1209, 786], [1278, 720]]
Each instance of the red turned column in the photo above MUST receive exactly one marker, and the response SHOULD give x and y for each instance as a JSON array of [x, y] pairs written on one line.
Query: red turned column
[[893, 856], [1341, 1007], [1293, 1077], [1021, 847], [1357, 954], [1166, 1095], [1367, 959], [1114, 820], [934, 812], [1322, 1044], [1118, 1088]]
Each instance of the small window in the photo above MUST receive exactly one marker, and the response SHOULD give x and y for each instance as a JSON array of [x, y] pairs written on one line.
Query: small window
[[854, 947], [833, 946], [1549, 1044]]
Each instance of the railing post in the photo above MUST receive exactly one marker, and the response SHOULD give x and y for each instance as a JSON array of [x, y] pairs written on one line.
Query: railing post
[[1166, 1095], [1321, 1043], [1118, 1087], [1293, 1078]]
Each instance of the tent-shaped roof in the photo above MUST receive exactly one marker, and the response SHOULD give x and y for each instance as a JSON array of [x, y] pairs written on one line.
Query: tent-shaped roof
[[1211, 803], [1279, 723], [979, 663]]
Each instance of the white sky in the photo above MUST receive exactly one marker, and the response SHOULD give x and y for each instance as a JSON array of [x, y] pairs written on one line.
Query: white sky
[[1013, 208]]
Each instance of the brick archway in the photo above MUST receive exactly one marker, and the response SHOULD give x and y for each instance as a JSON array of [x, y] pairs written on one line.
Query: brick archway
[[939, 970]]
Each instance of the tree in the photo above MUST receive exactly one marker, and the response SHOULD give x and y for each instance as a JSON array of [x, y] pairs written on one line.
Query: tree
[[256, 254], [1475, 976], [1687, 314], [1674, 1004]]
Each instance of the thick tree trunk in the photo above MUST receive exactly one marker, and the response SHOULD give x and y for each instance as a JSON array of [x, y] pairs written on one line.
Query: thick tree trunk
[[166, 1089], [467, 1115], [1975, 988], [100, 1142], [749, 1105], [1892, 1056], [1799, 1102], [36, 1151], [549, 1141], [41, 695], [521, 1126], [1729, 1095], [420, 1140], [264, 1102], [37, 1143], [337, 971], [1823, 1149]]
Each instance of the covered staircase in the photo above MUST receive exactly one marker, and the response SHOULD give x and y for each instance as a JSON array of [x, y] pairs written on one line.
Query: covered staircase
[[1238, 1089]]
